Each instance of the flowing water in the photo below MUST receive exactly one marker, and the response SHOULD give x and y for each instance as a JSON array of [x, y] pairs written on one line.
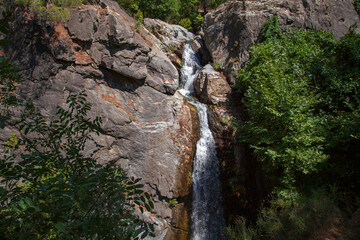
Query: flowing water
[[207, 213]]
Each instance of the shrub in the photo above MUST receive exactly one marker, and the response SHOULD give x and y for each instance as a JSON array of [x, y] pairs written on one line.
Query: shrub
[[271, 29], [216, 66], [224, 121], [186, 23], [302, 218], [57, 10], [357, 6], [281, 127], [239, 231]]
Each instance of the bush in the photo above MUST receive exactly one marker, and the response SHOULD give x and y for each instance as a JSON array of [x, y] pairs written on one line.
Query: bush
[[357, 6], [216, 3], [57, 10], [186, 23], [239, 231], [281, 127], [301, 92], [8, 79], [291, 216], [303, 218]]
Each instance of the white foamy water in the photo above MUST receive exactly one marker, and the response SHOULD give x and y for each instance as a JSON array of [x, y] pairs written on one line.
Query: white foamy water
[[207, 220]]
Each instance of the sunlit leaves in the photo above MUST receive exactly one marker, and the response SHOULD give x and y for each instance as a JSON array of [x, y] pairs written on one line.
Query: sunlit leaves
[[281, 128]]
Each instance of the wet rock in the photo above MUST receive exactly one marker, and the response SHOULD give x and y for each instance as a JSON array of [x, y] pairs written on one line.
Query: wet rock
[[198, 45]]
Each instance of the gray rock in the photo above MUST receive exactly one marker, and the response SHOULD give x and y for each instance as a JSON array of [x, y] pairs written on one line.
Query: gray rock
[[148, 128], [198, 45], [234, 27], [82, 24], [171, 36], [211, 86]]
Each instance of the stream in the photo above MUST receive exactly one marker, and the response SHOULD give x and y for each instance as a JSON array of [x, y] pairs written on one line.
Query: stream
[[207, 220]]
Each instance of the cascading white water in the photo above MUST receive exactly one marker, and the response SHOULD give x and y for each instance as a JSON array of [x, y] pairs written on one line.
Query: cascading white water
[[207, 213]]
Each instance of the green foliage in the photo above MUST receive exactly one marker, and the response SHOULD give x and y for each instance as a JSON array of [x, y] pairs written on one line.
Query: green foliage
[[162, 9], [303, 218], [216, 66], [11, 143], [8, 80], [224, 121], [132, 6], [188, 10], [51, 189], [301, 91], [198, 21], [239, 231], [173, 201], [186, 23], [357, 6], [271, 29], [52, 10], [282, 129], [182, 12], [216, 3]]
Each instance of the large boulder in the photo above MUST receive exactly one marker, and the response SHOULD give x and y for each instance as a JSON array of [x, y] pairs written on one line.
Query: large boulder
[[235, 26], [211, 86], [148, 128]]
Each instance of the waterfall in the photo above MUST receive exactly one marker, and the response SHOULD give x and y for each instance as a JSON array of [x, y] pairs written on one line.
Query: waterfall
[[207, 213]]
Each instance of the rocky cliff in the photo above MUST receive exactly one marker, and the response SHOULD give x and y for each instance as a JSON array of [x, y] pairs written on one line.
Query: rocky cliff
[[232, 29], [131, 83]]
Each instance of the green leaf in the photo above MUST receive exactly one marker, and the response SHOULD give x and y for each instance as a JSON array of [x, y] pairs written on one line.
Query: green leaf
[[60, 226], [137, 232]]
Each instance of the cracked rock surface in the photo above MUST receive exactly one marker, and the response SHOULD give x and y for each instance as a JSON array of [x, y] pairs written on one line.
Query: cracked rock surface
[[148, 128], [234, 27]]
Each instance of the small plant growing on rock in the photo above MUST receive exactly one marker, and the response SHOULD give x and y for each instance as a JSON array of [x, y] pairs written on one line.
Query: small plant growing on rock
[[224, 121], [171, 48], [173, 202], [216, 66]]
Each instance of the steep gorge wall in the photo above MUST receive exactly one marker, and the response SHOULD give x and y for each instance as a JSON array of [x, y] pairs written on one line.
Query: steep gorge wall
[[231, 30], [229, 33], [131, 84]]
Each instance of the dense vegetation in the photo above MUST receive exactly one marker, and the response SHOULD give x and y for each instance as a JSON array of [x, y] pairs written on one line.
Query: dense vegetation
[[357, 6], [188, 13], [45, 9], [301, 91], [183, 12]]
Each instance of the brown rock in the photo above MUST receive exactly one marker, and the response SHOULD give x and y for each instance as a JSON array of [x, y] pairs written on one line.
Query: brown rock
[[211, 86]]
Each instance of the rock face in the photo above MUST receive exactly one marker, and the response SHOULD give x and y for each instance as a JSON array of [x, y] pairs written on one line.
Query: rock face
[[211, 86], [234, 27], [170, 38], [148, 127]]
